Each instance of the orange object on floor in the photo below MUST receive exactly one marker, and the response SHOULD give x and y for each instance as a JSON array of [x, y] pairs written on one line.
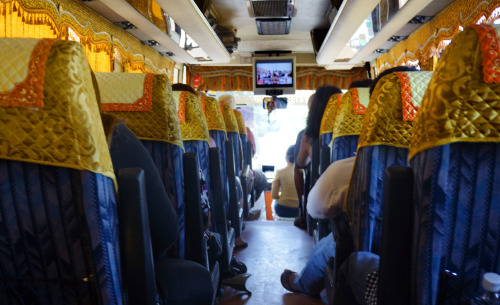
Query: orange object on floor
[[269, 202]]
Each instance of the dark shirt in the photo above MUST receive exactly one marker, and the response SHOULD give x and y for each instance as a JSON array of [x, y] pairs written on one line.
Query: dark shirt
[[296, 149], [127, 152]]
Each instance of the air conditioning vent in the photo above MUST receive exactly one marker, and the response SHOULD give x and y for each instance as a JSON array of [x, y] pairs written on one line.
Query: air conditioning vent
[[273, 26], [271, 8]]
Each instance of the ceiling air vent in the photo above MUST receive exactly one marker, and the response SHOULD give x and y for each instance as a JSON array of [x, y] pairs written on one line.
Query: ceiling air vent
[[273, 26], [272, 8]]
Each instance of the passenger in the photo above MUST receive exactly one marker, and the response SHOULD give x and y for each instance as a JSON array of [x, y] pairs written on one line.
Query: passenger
[[298, 176], [326, 200], [311, 133], [228, 99], [259, 179], [287, 204]]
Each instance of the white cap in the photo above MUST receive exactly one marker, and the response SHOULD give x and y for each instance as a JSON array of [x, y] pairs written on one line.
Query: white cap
[[491, 282]]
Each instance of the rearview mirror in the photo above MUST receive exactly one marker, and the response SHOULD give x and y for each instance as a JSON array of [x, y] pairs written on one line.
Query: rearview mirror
[[271, 103]]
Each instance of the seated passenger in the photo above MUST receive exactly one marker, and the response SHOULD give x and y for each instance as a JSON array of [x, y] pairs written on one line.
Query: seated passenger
[[286, 203], [325, 200]]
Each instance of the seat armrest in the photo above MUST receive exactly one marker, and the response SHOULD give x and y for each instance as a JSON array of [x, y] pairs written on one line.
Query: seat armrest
[[136, 251], [396, 241], [325, 159], [196, 246], [344, 240], [234, 208]]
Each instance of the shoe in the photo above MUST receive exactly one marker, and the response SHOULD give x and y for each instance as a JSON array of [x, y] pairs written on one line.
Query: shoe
[[237, 282], [287, 282], [242, 246], [300, 222], [254, 215]]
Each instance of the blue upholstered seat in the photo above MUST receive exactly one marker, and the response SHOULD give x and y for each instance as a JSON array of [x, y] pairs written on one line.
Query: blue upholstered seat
[[58, 218], [383, 142], [344, 147], [456, 162], [156, 125], [348, 122]]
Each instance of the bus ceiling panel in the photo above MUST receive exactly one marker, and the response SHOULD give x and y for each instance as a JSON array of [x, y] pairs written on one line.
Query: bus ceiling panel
[[399, 20], [143, 29], [189, 17], [351, 14]]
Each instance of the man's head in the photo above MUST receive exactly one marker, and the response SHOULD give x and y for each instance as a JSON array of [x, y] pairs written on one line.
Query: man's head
[[227, 99]]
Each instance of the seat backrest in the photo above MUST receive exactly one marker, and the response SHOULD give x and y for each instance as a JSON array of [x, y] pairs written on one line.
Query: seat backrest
[[383, 142], [455, 153], [58, 205], [145, 101], [348, 121], [194, 129], [217, 131], [327, 121], [233, 134], [242, 129]]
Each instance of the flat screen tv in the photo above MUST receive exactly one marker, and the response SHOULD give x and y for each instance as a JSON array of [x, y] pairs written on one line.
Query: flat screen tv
[[274, 74]]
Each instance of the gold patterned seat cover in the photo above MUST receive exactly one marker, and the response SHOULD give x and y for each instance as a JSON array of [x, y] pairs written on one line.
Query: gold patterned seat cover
[[462, 103], [160, 122], [384, 122], [194, 127], [229, 119], [213, 114], [330, 112], [350, 113], [64, 128], [242, 129]]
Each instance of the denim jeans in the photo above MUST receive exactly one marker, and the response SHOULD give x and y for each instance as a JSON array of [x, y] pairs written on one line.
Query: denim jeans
[[355, 271], [310, 280]]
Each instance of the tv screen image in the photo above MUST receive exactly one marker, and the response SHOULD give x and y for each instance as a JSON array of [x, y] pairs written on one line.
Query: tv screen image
[[273, 76], [269, 74]]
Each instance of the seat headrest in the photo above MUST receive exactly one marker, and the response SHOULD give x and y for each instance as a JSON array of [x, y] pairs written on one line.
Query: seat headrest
[[462, 103], [229, 119], [49, 108], [242, 129], [329, 115], [145, 101], [194, 127], [350, 113], [392, 108], [213, 114]]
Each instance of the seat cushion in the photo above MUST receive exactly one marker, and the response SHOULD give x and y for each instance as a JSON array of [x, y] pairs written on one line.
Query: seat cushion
[[457, 191], [184, 282], [364, 199], [344, 147], [58, 226], [168, 160]]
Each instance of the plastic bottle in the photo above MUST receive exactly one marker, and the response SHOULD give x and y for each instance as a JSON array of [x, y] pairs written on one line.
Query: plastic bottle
[[491, 290]]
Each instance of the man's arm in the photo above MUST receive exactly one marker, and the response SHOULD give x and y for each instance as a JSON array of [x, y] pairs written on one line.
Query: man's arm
[[304, 156], [275, 188], [298, 178]]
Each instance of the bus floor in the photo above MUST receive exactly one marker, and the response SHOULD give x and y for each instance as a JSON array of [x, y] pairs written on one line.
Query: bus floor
[[272, 247]]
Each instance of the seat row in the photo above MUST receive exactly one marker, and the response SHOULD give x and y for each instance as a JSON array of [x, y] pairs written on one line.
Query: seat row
[[61, 202], [443, 128]]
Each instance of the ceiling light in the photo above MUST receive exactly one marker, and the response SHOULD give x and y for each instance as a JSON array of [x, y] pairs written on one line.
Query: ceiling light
[[273, 26]]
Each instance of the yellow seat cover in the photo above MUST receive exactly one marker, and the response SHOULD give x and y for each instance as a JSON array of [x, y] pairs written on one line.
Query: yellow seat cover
[[462, 103], [64, 128], [145, 101]]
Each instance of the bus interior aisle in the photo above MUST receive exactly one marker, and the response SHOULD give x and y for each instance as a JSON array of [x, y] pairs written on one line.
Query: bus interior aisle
[[272, 247]]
